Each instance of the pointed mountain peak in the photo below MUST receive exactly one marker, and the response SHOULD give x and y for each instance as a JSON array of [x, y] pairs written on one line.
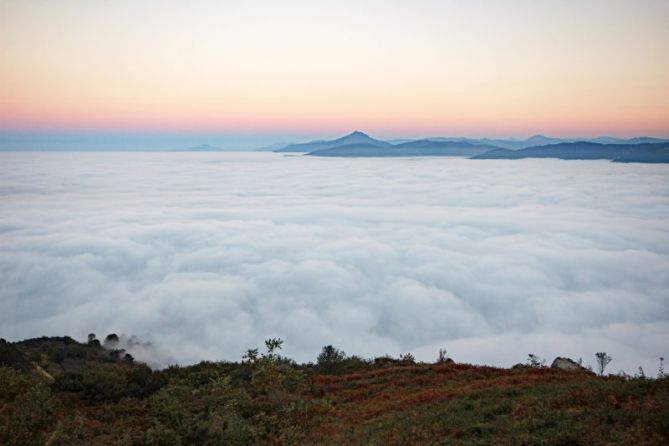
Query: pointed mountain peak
[[356, 137]]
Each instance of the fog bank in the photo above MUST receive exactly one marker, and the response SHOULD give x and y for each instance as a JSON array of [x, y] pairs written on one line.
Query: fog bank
[[207, 254]]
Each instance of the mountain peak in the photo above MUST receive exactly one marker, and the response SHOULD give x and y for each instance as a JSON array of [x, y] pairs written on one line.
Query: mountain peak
[[355, 137]]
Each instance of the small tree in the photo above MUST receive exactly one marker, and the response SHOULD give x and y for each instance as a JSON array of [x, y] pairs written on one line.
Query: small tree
[[534, 362], [272, 345], [251, 355], [329, 359], [111, 341], [660, 370], [93, 341], [602, 361], [443, 355]]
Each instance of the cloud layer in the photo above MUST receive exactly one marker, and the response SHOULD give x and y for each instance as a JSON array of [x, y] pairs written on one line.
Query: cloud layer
[[206, 255]]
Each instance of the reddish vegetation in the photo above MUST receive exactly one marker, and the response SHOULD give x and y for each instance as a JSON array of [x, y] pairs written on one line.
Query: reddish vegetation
[[96, 398], [372, 394]]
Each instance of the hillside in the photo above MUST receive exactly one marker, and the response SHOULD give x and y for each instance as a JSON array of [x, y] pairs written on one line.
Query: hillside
[[640, 153], [58, 391]]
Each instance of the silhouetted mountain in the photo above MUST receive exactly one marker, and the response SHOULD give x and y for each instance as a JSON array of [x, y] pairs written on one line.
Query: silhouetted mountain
[[640, 153], [643, 140], [445, 148], [273, 147], [540, 140], [434, 146], [351, 139], [517, 144], [512, 144], [645, 153], [424, 147], [353, 150]]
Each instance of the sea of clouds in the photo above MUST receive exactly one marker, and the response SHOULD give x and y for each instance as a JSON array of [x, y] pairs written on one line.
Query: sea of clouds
[[207, 254]]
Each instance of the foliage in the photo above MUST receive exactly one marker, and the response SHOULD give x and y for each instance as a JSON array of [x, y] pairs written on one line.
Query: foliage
[[443, 356], [10, 356], [660, 370], [602, 361], [534, 361], [77, 394], [26, 410], [330, 360]]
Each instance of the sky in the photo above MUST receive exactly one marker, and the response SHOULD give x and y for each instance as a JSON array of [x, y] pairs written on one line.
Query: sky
[[256, 72], [205, 255]]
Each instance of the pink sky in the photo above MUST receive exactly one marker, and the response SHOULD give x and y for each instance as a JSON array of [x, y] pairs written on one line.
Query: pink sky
[[431, 68]]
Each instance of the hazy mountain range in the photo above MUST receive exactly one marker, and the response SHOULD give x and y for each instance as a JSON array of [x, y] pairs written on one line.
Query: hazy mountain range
[[358, 137], [358, 144], [639, 153]]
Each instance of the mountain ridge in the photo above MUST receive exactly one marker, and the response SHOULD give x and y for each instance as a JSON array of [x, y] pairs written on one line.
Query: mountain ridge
[[358, 138], [586, 150]]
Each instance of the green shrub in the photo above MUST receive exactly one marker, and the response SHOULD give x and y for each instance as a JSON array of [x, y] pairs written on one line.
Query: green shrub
[[330, 360], [26, 410]]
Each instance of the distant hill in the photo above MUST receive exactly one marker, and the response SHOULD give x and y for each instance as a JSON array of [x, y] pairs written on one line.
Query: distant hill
[[354, 138], [532, 141], [446, 148], [639, 153], [636, 140], [511, 144], [541, 140], [277, 146], [423, 147]]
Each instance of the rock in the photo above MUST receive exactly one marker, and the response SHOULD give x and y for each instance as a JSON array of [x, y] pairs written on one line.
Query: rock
[[567, 364]]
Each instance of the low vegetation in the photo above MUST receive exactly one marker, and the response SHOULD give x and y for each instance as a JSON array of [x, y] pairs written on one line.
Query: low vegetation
[[56, 391]]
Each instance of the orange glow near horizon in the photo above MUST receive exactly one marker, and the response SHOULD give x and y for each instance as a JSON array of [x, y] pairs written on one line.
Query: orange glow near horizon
[[433, 68]]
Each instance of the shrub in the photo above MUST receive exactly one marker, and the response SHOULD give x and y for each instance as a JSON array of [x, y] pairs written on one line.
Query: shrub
[[330, 360], [111, 341], [30, 408], [9, 355], [534, 361], [443, 356]]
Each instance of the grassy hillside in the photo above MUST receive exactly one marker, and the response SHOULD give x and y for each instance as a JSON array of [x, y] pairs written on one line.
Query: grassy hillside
[[57, 391]]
